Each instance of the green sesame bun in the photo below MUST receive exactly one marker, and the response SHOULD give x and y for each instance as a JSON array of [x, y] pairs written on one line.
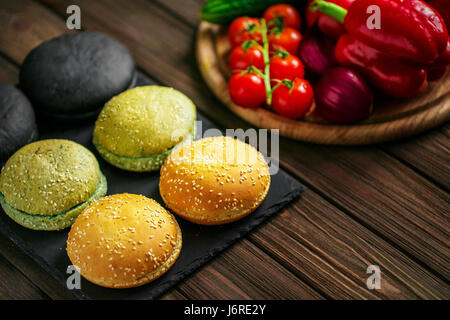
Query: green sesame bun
[[137, 129], [46, 184]]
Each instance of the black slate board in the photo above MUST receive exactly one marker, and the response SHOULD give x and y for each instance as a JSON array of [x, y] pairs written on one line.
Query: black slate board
[[200, 243]]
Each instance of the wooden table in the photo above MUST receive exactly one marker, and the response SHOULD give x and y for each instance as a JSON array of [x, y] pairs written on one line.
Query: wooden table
[[384, 205]]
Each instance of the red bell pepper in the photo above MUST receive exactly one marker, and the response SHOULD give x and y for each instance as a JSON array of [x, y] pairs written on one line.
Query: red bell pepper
[[394, 58], [329, 26], [409, 29], [443, 7], [394, 76], [439, 67], [434, 74], [444, 58]]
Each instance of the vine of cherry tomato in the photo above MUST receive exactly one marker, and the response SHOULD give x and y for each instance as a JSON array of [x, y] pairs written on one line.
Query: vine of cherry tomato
[[266, 68]]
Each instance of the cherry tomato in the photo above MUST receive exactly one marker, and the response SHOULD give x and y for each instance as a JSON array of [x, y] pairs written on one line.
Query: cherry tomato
[[244, 29], [242, 57], [286, 38], [286, 13], [247, 89], [285, 66], [293, 100]]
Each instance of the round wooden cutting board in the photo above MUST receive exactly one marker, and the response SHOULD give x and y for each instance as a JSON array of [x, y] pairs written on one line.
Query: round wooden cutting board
[[391, 118]]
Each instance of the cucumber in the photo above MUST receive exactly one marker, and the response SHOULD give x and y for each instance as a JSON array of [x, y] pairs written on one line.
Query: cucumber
[[225, 11]]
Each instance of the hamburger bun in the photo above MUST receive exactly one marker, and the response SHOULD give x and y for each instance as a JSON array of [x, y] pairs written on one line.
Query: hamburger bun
[[72, 76], [17, 121], [214, 180], [124, 241], [137, 129], [46, 184]]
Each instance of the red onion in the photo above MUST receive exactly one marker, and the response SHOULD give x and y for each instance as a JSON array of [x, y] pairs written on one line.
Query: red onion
[[317, 52], [343, 96]]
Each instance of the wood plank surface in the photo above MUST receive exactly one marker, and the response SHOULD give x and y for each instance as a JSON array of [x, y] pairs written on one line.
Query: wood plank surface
[[187, 10], [383, 194], [8, 71], [15, 286], [32, 271], [160, 53], [174, 294], [228, 277], [312, 249], [21, 24], [332, 252], [428, 153]]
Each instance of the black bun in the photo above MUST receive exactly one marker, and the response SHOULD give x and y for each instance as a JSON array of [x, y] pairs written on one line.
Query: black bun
[[17, 121], [72, 76]]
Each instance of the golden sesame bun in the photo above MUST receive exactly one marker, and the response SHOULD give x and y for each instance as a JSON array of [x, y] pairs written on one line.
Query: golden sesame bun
[[123, 241], [214, 180]]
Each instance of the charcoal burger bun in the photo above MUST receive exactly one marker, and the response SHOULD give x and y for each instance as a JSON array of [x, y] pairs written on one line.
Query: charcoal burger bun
[[17, 121], [214, 180], [73, 75], [124, 240]]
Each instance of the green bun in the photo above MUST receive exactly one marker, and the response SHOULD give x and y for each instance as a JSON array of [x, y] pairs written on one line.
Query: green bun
[[137, 129], [46, 184]]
